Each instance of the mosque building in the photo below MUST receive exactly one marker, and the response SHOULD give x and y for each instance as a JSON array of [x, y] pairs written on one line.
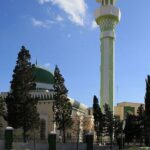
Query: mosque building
[[44, 80], [81, 114]]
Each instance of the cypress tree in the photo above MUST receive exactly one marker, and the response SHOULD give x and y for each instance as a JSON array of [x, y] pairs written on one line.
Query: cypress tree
[[21, 107], [98, 119], [108, 122], [130, 128], [117, 127], [147, 112], [62, 107], [140, 123], [2, 111]]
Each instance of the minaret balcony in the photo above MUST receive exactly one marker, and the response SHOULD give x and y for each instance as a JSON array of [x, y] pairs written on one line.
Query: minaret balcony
[[110, 11]]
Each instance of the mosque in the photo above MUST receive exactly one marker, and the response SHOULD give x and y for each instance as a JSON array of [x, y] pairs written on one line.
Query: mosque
[[107, 17], [44, 80], [81, 114]]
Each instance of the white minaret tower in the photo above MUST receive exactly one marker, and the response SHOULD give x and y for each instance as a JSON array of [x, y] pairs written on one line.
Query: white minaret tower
[[107, 17]]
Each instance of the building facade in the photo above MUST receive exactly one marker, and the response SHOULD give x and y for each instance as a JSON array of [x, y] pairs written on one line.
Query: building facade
[[126, 107], [44, 92]]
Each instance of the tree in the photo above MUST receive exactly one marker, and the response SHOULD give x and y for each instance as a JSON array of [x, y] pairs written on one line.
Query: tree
[[98, 118], [140, 124], [62, 107], [130, 128], [117, 127], [87, 124], [108, 122], [135, 126], [21, 107], [76, 129], [2, 111], [147, 112]]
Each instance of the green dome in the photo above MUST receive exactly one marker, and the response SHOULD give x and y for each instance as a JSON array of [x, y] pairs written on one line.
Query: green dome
[[43, 76]]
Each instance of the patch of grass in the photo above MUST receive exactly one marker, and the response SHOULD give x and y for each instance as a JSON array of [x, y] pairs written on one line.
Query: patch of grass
[[139, 148], [133, 148]]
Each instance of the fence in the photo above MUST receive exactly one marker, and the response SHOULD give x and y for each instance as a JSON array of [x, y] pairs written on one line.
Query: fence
[[59, 146], [10, 144], [44, 146]]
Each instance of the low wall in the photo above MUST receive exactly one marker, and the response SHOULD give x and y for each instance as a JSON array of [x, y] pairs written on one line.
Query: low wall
[[59, 146], [1, 144], [70, 146], [44, 146], [22, 146]]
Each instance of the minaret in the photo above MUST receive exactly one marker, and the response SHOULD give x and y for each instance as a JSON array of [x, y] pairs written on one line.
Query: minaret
[[107, 17]]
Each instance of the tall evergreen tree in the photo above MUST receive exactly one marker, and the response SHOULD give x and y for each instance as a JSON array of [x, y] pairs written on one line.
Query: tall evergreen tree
[[62, 107], [147, 112], [21, 107], [2, 111], [130, 128], [117, 127], [108, 122], [98, 119], [140, 124]]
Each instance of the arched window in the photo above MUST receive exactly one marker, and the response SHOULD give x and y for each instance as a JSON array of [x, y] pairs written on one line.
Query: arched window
[[42, 129]]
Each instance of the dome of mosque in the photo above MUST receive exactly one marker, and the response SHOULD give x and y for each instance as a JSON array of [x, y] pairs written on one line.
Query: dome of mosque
[[43, 75]]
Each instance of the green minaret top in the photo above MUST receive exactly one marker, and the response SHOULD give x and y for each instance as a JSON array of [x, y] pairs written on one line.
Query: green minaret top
[[106, 2]]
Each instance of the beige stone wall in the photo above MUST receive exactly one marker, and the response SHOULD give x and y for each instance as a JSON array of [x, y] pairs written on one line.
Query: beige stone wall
[[45, 110], [119, 109]]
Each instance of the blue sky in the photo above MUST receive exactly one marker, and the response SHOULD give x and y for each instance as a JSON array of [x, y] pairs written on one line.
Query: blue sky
[[63, 32]]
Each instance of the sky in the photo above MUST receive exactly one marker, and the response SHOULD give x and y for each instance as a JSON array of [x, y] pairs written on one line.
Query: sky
[[64, 32]]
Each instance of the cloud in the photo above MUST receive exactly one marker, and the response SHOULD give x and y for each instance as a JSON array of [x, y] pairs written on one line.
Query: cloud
[[43, 24], [47, 65], [43, 1], [75, 9], [94, 25], [50, 22], [39, 23], [59, 18]]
